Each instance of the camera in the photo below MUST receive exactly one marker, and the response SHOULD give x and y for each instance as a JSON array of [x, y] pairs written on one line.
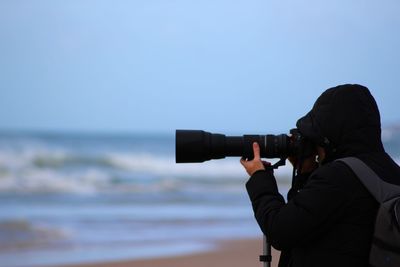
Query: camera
[[199, 146]]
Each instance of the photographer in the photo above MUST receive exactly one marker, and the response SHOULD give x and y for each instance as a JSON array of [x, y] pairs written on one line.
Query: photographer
[[328, 219]]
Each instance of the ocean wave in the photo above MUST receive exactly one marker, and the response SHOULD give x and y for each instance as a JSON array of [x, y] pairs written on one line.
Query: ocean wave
[[48, 181], [22, 234], [42, 170], [57, 166]]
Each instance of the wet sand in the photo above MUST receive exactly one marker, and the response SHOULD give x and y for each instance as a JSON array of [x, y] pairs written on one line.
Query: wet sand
[[236, 253]]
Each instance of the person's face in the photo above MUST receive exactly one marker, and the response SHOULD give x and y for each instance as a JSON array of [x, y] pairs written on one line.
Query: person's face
[[321, 154]]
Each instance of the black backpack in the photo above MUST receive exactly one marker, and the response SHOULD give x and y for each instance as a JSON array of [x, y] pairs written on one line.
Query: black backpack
[[385, 248]]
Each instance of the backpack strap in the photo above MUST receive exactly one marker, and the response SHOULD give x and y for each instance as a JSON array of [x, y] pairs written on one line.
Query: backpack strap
[[381, 190]]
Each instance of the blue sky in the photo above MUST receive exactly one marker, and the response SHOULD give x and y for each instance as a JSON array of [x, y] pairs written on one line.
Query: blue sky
[[157, 65]]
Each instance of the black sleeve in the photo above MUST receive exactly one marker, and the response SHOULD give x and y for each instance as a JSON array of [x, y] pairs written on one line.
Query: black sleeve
[[309, 214]]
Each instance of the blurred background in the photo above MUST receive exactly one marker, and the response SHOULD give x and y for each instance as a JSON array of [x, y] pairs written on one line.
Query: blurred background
[[91, 92]]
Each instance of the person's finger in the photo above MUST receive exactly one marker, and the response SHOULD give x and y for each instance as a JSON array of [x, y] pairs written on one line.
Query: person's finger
[[256, 151], [243, 161]]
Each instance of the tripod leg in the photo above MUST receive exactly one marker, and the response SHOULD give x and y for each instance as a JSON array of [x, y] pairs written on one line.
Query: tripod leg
[[266, 258]]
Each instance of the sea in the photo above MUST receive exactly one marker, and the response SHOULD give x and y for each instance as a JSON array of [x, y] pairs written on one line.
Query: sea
[[68, 198]]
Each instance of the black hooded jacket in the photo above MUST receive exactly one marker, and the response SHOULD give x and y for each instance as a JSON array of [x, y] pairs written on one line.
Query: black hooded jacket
[[329, 217]]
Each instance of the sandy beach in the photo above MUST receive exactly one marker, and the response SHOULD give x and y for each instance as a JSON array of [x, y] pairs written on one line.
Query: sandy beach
[[230, 253]]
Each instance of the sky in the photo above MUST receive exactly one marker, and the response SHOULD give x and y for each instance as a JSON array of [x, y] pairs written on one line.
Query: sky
[[251, 66]]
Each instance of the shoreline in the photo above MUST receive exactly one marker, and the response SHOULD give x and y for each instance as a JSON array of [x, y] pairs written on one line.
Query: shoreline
[[232, 253]]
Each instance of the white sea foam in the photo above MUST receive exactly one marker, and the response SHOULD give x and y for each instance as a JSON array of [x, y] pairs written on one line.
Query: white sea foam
[[59, 171], [48, 166]]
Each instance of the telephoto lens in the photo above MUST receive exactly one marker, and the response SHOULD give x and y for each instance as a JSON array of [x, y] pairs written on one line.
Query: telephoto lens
[[199, 146]]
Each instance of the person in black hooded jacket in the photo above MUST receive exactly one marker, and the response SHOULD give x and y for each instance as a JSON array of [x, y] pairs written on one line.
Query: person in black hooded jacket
[[329, 217]]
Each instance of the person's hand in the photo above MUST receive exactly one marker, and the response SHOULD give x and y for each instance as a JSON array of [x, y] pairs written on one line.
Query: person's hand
[[256, 164]]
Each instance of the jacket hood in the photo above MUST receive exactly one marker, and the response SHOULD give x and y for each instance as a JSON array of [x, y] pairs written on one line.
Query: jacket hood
[[345, 120]]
